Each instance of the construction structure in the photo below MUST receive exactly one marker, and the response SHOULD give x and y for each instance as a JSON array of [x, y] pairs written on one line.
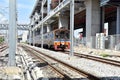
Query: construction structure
[[12, 27], [55, 21], [91, 15]]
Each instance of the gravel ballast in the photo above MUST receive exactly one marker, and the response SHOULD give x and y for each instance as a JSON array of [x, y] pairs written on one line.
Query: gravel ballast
[[102, 70]]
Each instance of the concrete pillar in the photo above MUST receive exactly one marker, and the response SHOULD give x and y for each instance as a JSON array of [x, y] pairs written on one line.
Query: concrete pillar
[[12, 32], [84, 36], [63, 21], [48, 5], [92, 21], [84, 32], [118, 25], [42, 28], [102, 19], [48, 28], [112, 28], [71, 27], [33, 38], [30, 36], [40, 35], [6, 39], [118, 20]]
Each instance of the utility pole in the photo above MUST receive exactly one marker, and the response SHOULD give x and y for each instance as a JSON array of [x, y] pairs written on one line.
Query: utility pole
[[42, 26], [71, 26], [12, 32], [30, 31]]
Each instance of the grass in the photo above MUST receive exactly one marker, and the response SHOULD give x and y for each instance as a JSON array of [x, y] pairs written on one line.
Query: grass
[[1, 39], [104, 55]]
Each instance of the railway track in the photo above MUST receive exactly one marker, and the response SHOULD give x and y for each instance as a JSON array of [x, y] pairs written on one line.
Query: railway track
[[95, 58], [41, 60], [1, 44], [3, 47], [52, 64]]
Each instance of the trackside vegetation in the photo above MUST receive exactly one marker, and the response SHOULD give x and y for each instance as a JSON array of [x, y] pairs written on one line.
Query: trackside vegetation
[[1, 40]]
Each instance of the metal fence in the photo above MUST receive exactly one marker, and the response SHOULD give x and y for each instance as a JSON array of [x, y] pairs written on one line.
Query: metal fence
[[78, 42], [100, 41], [112, 42]]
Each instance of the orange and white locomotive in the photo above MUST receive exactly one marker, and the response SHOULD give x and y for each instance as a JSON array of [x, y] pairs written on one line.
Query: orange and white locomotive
[[57, 39]]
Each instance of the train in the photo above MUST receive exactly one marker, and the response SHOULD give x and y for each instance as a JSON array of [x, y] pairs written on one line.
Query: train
[[58, 39]]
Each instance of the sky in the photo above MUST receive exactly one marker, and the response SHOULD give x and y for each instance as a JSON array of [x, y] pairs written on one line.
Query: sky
[[24, 9]]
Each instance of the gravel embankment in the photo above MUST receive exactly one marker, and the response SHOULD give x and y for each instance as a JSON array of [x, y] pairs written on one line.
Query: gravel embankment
[[108, 54], [102, 70]]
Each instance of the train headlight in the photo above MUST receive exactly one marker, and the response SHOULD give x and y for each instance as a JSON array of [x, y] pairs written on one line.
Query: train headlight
[[55, 43], [62, 43], [68, 43]]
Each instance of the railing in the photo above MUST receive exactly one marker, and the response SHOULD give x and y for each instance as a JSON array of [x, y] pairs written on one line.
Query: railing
[[19, 26], [54, 11], [57, 9]]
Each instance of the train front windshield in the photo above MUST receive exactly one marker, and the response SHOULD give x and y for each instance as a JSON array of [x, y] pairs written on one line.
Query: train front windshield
[[62, 34]]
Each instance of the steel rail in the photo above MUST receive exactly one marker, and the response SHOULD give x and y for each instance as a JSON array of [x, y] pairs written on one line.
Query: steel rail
[[65, 77], [95, 58], [3, 47], [84, 73], [99, 59]]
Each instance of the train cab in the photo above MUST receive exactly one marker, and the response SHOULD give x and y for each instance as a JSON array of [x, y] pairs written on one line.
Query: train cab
[[62, 39]]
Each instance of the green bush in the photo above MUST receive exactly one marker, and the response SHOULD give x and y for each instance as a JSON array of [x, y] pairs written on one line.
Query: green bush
[[104, 55], [1, 39]]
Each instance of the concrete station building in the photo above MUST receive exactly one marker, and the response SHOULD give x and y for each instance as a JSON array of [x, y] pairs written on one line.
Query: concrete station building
[[90, 15]]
